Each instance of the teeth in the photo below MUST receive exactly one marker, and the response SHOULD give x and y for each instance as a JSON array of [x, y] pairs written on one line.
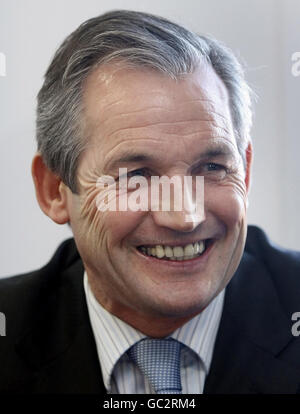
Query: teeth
[[178, 251], [160, 251], [201, 247], [189, 250], [186, 252], [168, 251]]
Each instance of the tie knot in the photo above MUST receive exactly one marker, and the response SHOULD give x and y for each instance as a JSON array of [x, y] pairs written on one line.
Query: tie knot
[[159, 361]]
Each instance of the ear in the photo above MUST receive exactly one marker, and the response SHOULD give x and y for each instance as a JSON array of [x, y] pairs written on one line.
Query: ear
[[51, 192], [249, 158]]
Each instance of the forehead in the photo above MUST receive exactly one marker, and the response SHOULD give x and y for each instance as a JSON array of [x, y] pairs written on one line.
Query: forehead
[[123, 105], [116, 89]]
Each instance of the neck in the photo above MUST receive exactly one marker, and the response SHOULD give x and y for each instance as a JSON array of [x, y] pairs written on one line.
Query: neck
[[153, 326], [150, 323]]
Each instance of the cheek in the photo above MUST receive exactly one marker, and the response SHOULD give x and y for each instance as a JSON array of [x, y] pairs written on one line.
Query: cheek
[[228, 204], [116, 227]]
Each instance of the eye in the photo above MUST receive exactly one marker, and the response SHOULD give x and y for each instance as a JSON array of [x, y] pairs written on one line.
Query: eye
[[143, 172], [140, 171], [214, 171], [211, 166]]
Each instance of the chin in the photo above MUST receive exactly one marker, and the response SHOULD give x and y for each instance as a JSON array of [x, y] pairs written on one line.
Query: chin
[[174, 307]]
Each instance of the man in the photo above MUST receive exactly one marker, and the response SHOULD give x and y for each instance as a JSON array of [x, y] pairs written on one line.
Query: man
[[133, 91]]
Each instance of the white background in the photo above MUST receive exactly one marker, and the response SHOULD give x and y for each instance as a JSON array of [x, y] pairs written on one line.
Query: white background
[[264, 33]]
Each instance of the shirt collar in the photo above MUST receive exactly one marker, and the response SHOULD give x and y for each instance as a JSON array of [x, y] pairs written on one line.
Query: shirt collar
[[114, 337]]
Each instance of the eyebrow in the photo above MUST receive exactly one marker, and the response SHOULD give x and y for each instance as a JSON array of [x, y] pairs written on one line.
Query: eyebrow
[[212, 152], [130, 158], [222, 151]]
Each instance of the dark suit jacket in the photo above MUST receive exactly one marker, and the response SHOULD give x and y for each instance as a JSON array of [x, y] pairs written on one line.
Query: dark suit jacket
[[49, 345]]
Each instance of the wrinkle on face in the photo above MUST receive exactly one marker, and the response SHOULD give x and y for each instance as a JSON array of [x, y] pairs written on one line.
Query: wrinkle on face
[[113, 104], [150, 115], [176, 123], [117, 121], [123, 125]]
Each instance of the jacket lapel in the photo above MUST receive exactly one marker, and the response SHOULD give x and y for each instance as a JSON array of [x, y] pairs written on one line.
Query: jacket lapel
[[254, 331], [59, 349]]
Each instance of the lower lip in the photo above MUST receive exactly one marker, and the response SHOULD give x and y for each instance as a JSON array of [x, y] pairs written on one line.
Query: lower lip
[[189, 264]]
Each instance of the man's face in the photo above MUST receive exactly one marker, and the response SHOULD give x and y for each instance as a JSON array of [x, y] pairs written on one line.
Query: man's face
[[159, 126]]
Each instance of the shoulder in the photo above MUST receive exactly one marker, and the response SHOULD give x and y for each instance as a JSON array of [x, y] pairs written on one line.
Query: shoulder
[[23, 294], [41, 310], [259, 244], [281, 264], [270, 254], [63, 257]]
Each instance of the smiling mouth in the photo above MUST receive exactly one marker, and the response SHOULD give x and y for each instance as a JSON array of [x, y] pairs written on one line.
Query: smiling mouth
[[176, 253]]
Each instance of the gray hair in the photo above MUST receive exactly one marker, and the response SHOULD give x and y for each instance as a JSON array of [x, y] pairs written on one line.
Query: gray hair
[[139, 39]]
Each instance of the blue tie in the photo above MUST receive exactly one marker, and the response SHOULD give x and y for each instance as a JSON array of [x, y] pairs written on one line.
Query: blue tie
[[159, 361]]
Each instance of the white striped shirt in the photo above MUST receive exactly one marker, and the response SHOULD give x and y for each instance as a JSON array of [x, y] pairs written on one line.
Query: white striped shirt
[[114, 337]]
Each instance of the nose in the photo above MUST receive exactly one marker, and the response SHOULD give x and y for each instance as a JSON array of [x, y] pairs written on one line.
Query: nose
[[177, 220], [186, 214]]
